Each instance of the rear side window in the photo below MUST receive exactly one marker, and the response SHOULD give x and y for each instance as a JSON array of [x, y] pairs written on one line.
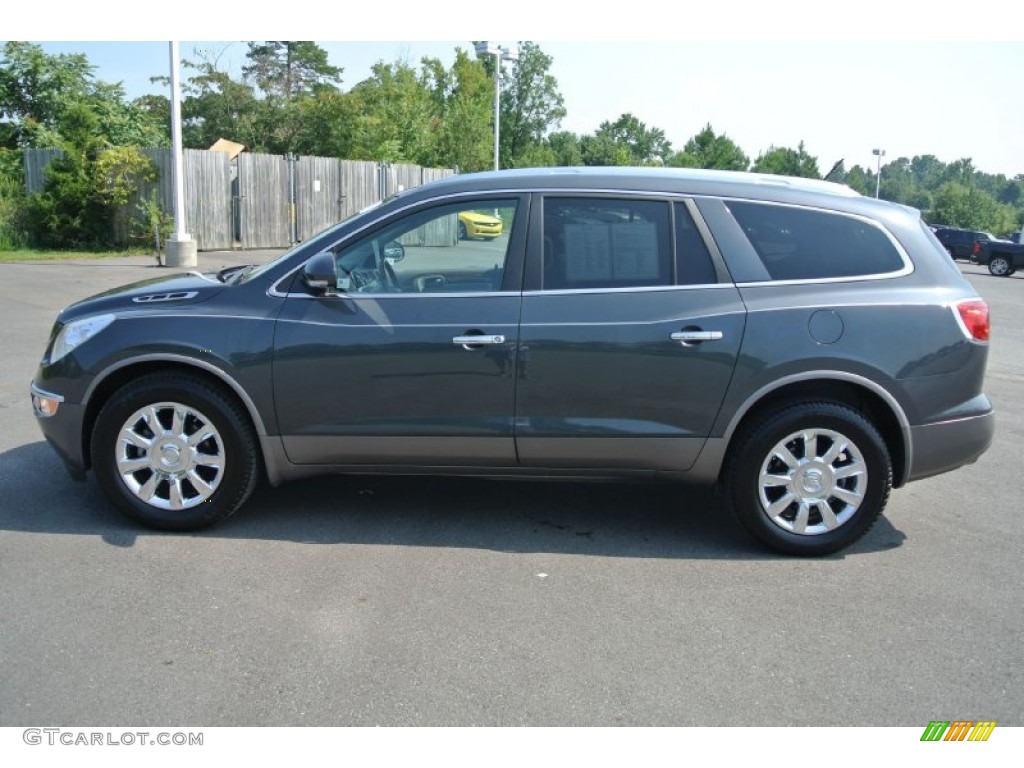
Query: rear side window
[[807, 244], [601, 243]]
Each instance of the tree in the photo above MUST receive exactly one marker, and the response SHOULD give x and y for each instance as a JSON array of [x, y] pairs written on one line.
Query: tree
[[531, 104], [41, 97], [710, 150], [326, 125], [785, 161], [962, 206], [217, 106], [627, 141], [36, 89], [861, 180], [287, 69], [462, 98], [399, 115], [565, 148]]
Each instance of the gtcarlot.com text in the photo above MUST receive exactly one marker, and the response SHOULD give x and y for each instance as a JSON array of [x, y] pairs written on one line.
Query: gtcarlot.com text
[[69, 738]]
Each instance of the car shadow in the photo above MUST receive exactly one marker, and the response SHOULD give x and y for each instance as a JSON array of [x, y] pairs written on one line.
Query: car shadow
[[608, 519]]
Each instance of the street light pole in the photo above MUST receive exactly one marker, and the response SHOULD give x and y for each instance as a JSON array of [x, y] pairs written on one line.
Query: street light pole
[[879, 153], [497, 104], [500, 53], [181, 248]]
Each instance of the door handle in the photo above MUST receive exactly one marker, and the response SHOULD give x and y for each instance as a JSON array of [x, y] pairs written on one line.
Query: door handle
[[689, 338], [470, 342]]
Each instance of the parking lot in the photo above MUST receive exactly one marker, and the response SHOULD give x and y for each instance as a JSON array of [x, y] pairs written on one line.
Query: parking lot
[[432, 601]]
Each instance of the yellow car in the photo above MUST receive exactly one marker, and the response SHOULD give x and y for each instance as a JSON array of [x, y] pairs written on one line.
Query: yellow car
[[473, 224]]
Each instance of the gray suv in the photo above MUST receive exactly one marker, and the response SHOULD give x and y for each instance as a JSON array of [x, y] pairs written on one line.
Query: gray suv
[[804, 347]]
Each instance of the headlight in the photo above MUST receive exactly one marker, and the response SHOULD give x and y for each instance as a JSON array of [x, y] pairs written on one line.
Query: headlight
[[78, 332]]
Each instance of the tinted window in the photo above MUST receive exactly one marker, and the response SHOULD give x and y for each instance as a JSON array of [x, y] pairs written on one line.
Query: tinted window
[[804, 244], [693, 262], [597, 243]]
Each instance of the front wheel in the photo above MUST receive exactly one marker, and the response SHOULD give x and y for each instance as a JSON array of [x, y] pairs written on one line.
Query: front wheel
[[174, 452], [810, 479], [1000, 266]]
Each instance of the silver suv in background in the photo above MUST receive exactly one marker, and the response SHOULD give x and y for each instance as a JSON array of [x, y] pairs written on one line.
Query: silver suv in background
[[805, 348]]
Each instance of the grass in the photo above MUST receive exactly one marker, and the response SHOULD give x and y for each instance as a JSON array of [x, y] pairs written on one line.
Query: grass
[[29, 254]]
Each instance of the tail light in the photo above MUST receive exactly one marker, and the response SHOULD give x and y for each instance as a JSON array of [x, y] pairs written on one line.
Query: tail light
[[973, 315]]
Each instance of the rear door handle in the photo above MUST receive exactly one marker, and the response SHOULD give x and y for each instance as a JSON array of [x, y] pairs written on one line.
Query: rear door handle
[[689, 338], [477, 340]]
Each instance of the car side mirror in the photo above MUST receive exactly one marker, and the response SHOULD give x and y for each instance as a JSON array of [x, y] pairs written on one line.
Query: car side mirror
[[320, 274], [394, 252]]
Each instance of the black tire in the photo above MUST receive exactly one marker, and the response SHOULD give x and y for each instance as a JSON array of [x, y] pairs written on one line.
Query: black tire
[[1000, 266], [864, 466], [463, 234], [206, 480]]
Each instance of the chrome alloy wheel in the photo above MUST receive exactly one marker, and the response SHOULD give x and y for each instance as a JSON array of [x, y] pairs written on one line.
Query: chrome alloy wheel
[[170, 456], [812, 481]]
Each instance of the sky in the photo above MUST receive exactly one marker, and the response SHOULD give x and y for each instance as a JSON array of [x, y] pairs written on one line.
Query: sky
[[948, 83]]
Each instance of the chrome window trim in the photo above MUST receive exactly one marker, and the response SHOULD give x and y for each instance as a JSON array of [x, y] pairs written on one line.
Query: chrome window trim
[[906, 269], [632, 289]]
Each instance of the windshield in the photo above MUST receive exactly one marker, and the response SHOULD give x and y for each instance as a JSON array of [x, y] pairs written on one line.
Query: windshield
[[255, 271]]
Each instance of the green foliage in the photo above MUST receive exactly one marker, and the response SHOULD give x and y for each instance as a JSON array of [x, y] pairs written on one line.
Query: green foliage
[[531, 105], [399, 115], [627, 141], [13, 226], [44, 99], [564, 148], [972, 208], [118, 172], [710, 150], [216, 106], [82, 194], [462, 99], [287, 69], [785, 161], [151, 221]]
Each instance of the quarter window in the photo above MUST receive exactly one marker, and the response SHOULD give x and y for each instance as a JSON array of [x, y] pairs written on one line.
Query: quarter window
[[806, 244], [600, 243]]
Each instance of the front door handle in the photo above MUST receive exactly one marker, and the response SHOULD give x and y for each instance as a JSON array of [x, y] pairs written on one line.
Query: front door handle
[[689, 338], [470, 342]]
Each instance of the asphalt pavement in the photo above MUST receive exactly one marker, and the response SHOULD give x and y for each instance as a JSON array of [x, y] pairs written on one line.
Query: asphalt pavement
[[432, 601]]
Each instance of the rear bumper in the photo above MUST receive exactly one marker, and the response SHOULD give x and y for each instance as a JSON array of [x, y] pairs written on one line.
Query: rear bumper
[[946, 445]]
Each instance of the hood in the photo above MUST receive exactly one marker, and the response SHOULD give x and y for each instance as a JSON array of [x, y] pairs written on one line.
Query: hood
[[158, 293]]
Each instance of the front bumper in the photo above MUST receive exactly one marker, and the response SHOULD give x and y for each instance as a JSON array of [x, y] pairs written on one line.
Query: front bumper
[[946, 445], [61, 425]]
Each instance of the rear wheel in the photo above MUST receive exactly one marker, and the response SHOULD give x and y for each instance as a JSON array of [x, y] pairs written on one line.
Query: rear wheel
[[175, 453], [1000, 266], [810, 479]]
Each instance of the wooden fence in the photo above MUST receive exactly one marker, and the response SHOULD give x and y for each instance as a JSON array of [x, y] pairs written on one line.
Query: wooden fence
[[258, 201]]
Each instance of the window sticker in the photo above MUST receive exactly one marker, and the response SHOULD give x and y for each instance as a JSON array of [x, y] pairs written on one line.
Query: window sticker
[[635, 246], [587, 252]]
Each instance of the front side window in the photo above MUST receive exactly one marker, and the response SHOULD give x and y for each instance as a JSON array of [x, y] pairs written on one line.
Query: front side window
[[807, 244], [454, 248], [600, 243]]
